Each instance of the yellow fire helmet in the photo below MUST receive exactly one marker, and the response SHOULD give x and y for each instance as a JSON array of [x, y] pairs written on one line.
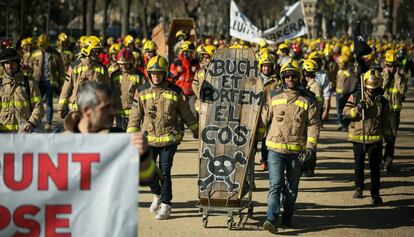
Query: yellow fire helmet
[[129, 39], [110, 41], [291, 66], [390, 56], [342, 60], [309, 65], [82, 40], [187, 46], [115, 48], [149, 46], [266, 58], [158, 64], [262, 43], [42, 41], [26, 41], [62, 37], [208, 49], [372, 79], [92, 42], [283, 46], [180, 34], [316, 55]]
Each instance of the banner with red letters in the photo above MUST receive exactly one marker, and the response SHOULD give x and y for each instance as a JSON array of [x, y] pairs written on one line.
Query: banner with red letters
[[68, 185]]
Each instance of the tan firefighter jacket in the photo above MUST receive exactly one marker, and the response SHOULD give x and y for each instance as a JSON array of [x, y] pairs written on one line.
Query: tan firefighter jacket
[[316, 89], [270, 83], [293, 121], [157, 111], [395, 88], [124, 86], [80, 71], [20, 102], [55, 66], [376, 124]]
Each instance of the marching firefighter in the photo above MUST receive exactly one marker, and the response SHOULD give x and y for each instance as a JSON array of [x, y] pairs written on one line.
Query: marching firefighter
[[395, 88], [270, 82], [205, 55], [129, 42], [322, 79], [27, 50], [64, 50], [283, 52], [183, 70], [21, 108], [343, 90], [86, 68], [370, 124], [113, 54], [125, 81], [292, 117], [309, 72], [48, 72], [150, 51], [157, 107]]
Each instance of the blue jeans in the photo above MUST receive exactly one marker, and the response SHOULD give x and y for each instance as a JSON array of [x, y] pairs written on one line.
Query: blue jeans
[[47, 95], [163, 187], [278, 163]]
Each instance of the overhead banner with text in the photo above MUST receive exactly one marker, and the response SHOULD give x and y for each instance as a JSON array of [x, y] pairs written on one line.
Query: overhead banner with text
[[68, 185], [292, 25]]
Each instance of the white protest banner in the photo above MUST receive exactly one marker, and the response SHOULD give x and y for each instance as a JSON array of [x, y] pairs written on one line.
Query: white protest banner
[[240, 25], [291, 25], [68, 185]]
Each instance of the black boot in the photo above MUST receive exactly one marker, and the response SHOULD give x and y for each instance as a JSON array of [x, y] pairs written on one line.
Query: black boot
[[358, 193]]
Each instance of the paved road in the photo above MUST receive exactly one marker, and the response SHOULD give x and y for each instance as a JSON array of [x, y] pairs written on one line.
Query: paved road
[[325, 206]]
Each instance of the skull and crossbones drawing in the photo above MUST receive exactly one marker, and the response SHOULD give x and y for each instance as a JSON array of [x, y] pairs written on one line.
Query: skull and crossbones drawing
[[221, 168]]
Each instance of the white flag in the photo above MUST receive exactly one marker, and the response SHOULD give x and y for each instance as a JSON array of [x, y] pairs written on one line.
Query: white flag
[[240, 25]]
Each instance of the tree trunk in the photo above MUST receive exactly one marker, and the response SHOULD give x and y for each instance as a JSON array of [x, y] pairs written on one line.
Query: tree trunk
[[84, 7], [125, 6], [144, 4], [49, 2], [22, 16], [105, 19], [90, 15]]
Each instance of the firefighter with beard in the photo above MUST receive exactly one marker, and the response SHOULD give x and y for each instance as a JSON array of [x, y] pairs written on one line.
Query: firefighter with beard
[[21, 107], [125, 82], [291, 115], [156, 110]]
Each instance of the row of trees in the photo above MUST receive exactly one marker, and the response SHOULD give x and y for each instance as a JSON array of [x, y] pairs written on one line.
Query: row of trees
[[119, 17]]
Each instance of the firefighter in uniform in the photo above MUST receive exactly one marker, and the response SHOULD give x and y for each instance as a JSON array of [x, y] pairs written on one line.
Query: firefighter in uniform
[[21, 108], [270, 82], [27, 50], [343, 78], [367, 134], [150, 51], [181, 37], [395, 88], [125, 82], [64, 50], [322, 79], [48, 72], [129, 42], [309, 68], [86, 68], [113, 54], [205, 55], [158, 105], [292, 117]]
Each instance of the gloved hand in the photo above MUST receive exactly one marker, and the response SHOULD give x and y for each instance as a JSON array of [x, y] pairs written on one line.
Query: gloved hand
[[362, 105], [307, 157]]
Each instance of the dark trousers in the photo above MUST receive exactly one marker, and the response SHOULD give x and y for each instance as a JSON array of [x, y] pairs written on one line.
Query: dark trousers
[[374, 157], [47, 95], [390, 146], [163, 186], [341, 100]]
